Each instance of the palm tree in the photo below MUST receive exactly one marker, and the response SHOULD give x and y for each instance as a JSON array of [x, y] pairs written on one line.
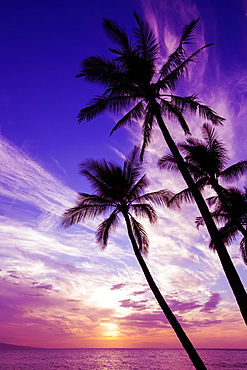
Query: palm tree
[[121, 191], [132, 80], [233, 214], [206, 161]]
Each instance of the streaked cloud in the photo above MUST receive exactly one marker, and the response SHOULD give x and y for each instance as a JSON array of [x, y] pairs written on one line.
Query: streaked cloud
[[58, 288]]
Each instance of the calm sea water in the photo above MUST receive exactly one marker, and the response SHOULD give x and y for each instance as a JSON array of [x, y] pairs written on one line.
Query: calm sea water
[[118, 359]]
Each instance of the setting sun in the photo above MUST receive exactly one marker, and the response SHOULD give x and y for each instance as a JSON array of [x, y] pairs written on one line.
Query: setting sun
[[110, 330]]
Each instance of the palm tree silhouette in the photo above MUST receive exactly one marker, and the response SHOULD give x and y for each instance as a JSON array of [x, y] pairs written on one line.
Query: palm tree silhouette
[[233, 214], [121, 191], [206, 161], [132, 80]]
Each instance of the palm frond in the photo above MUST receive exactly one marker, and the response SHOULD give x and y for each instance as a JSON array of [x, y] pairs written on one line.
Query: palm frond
[[199, 221], [101, 70], [179, 55], [147, 44], [232, 203], [117, 34], [93, 199], [125, 87], [209, 134], [228, 233], [136, 188], [184, 195], [145, 210], [133, 181], [243, 249], [193, 105], [234, 172], [169, 79], [140, 235], [216, 151], [206, 158], [195, 153], [159, 198], [134, 114], [197, 173], [168, 162], [132, 161], [174, 112], [100, 104], [82, 211], [187, 36], [132, 173], [201, 183], [105, 227], [209, 114], [147, 128], [214, 201], [99, 175], [220, 216]]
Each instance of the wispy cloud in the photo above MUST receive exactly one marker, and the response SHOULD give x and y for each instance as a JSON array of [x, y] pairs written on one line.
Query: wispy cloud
[[212, 302], [118, 286], [58, 285], [139, 306], [23, 179]]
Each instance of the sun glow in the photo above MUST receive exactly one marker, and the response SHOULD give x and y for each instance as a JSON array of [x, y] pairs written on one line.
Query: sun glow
[[110, 329]]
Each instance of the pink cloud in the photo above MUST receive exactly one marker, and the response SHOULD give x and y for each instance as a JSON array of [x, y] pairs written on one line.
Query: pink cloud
[[176, 305], [44, 286], [199, 323], [212, 303], [118, 286], [146, 320], [128, 303], [35, 295], [140, 292], [157, 320]]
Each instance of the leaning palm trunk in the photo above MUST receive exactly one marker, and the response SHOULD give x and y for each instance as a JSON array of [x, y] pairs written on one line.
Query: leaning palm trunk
[[226, 262], [186, 343]]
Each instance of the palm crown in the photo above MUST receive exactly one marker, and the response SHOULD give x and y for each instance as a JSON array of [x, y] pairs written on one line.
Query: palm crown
[[233, 215], [133, 80], [206, 160], [117, 190]]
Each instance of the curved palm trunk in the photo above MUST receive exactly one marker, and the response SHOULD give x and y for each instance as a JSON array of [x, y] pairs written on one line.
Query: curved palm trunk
[[228, 267], [186, 343]]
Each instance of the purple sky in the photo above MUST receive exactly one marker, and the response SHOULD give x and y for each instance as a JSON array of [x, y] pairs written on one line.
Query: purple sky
[[57, 288]]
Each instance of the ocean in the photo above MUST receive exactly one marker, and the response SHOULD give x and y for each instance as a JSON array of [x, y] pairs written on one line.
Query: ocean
[[118, 359]]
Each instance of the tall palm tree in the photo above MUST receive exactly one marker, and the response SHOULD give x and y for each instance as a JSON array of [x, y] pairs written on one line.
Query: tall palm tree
[[133, 80], [206, 160], [121, 191]]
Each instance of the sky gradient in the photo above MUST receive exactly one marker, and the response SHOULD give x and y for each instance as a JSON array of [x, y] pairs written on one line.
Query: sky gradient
[[57, 288]]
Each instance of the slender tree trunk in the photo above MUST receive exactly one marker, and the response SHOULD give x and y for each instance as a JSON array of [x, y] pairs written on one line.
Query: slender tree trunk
[[186, 343], [228, 267]]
